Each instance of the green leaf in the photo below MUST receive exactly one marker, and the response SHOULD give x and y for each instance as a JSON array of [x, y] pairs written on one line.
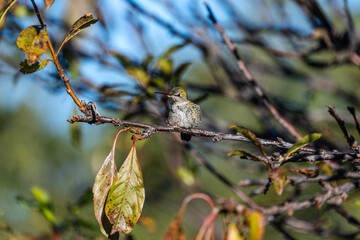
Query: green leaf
[[44, 204], [124, 60], [33, 42], [40, 195], [76, 133], [147, 61], [176, 76], [186, 175], [5, 8], [251, 136], [173, 49], [126, 196], [302, 143], [26, 69], [82, 23], [241, 153], [139, 74], [103, 181], [165, 65], [48, 3]]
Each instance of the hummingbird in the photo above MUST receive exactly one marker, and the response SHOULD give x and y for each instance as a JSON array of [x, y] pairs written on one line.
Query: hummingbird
[[182, 113]]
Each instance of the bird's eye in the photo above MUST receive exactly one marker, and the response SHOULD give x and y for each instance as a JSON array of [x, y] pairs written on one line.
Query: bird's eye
[[178, 94]]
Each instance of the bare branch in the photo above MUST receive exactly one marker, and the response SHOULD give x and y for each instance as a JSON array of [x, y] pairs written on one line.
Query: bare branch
[[251, 80]]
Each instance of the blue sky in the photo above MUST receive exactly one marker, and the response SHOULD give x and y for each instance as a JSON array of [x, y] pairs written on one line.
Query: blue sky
[[32, 93]]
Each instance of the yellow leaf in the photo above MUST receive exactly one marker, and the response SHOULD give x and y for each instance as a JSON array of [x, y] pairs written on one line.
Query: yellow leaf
[[233, 233], [256, 224]]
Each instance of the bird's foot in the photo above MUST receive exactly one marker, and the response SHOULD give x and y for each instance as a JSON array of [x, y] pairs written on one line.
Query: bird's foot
[[170, 124]]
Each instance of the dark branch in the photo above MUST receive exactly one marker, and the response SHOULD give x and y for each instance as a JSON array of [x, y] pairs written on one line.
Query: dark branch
[[250, 78]]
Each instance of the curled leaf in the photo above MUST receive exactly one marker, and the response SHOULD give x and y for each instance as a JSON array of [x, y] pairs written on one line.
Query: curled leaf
[[302, 143], [102, 185], [5, 8], [82, 23], [127, 195], [33, 42], [280, 181]]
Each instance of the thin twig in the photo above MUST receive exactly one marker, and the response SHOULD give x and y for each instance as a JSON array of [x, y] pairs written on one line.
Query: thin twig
[[349, 138], [251, 80], [37, 12], [202, 161], [351, 219], [278, 226], [356, 119], [349, 20], [315, 201], [81, 105], [167, 26], [340, 175]]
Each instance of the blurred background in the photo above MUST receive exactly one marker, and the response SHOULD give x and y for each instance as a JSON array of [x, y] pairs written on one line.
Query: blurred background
[[139, 47]]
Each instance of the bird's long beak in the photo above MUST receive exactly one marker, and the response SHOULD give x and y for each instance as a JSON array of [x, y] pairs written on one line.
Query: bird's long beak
[[163, 93]]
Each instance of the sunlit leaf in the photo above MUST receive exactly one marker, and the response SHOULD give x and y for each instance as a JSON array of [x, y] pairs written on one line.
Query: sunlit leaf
[[40, 195], [5, 6], [48, 3], [82, 23], [186, 175], [159, 82], [325, 168], [256, 223], [302, 143], [139, 74], [48, 214], [44, 204], [126, 196], [280, 181], [33, 42], [165, 65], [233, 233], [103, 181], [26, 69]]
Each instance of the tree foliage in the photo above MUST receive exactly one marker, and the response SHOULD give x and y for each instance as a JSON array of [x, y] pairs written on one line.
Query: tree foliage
[[274, 159]]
